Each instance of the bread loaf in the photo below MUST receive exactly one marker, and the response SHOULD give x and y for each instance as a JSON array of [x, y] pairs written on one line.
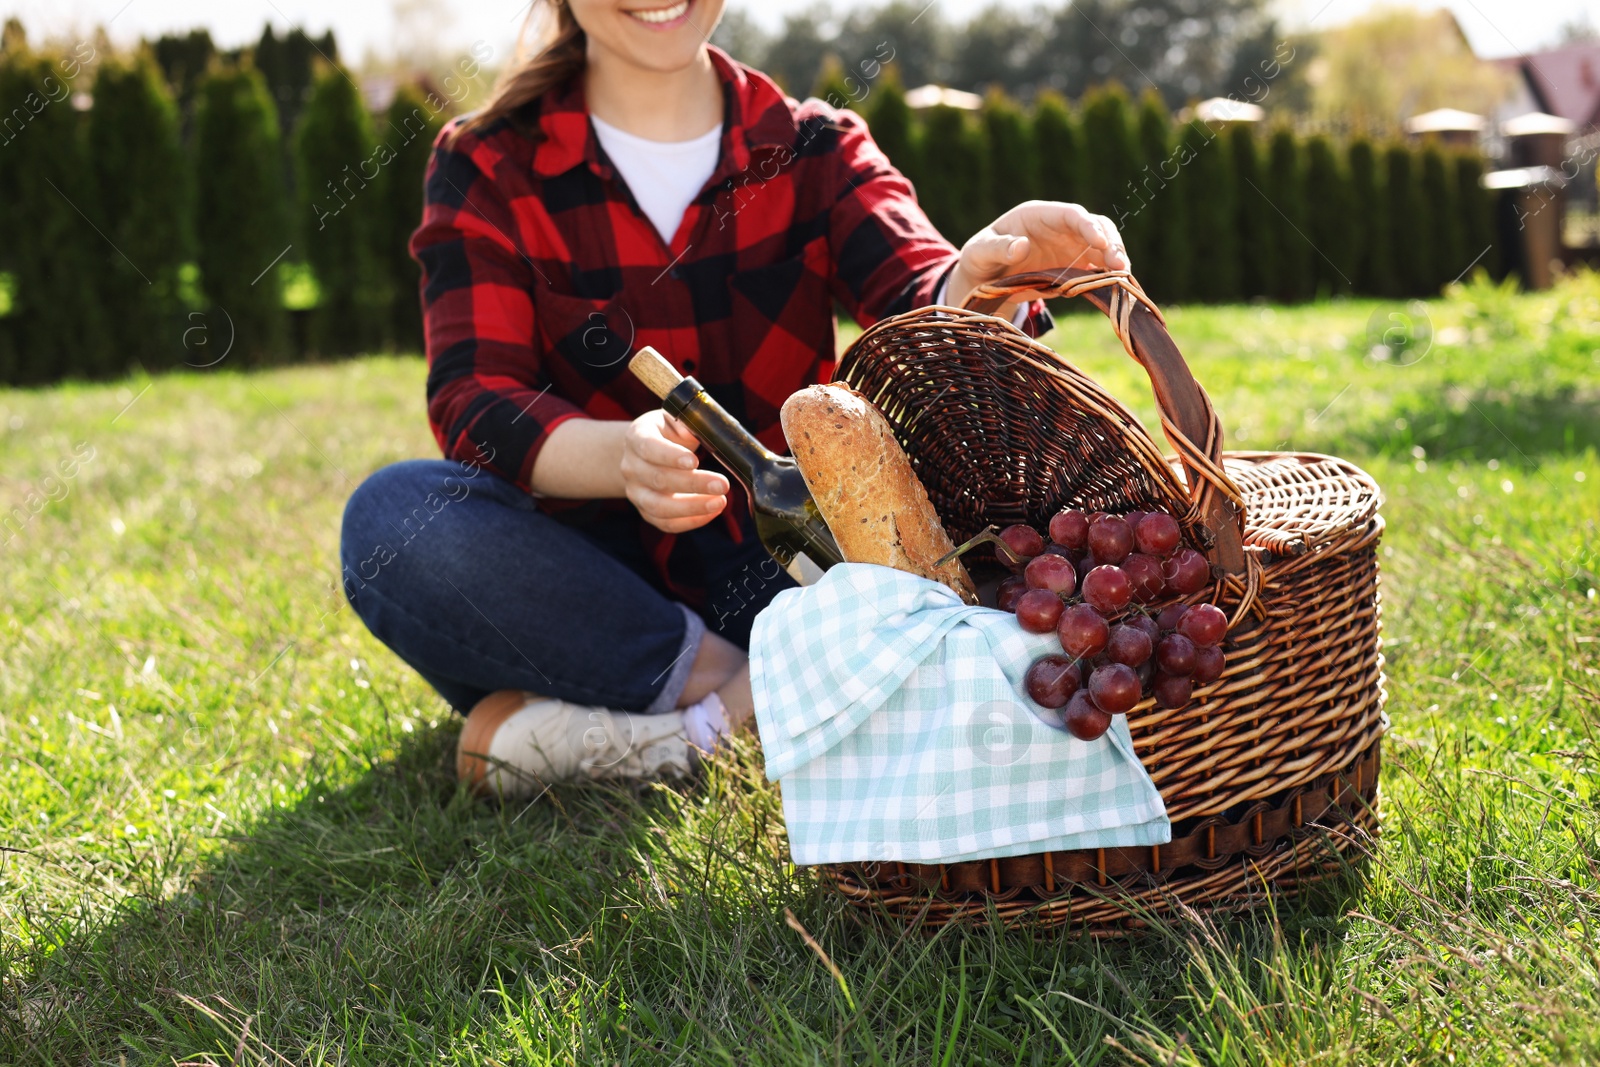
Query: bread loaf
[[864, 486]]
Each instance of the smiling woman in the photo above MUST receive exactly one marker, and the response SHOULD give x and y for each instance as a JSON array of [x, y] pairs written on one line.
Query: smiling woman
[[628, 184]]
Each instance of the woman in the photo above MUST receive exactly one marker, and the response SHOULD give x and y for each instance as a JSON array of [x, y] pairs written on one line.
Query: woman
[[571, 575]]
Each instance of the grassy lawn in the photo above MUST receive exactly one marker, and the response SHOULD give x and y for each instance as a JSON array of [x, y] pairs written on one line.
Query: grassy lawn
[[231, 832]]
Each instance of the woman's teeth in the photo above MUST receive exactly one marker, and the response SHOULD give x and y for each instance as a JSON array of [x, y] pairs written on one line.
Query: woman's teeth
[[661, 14]]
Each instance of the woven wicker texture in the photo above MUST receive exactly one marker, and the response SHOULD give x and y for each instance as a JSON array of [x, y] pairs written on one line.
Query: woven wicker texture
[[1002, 429]]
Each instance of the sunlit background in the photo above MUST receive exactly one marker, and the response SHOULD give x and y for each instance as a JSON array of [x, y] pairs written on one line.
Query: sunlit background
[[385, 28]]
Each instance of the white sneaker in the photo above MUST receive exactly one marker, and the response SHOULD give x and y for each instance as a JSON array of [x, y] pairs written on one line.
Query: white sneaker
[[516, 744]]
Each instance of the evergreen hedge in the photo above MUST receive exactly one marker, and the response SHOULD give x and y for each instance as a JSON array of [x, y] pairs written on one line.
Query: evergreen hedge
[[1330, 219], [954, 185], [1161, 226], [1287, 193], [1209, 213], [1369, 214], [140, 179], [409, 129], [1059, 149], [1208, 185], [1258, 223], [1111, 160], [241, 216], [891, 122], [1408, 223], [341, 172], [48, 242], [1443, 234], [1013, 156]]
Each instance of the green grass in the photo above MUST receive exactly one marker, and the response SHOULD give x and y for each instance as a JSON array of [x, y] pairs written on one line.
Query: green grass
[[232, 834]]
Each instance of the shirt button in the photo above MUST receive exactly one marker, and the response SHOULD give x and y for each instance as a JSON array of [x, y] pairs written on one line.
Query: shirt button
[[677, 272], [688, 365]]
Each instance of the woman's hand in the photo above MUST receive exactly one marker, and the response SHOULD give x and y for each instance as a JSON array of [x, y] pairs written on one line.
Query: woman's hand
[[660, 475], [1036, 235]]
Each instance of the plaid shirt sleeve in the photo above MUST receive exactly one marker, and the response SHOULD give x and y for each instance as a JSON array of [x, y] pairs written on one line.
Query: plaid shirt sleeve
[[890, 258], [489, 399]]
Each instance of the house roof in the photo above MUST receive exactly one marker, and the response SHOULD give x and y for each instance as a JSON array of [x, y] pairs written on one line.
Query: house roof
[[1445, 120], [1566, 81], [1537, 122]]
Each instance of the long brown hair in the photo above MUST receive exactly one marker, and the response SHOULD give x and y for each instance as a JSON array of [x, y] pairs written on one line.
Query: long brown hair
[[551, 48]]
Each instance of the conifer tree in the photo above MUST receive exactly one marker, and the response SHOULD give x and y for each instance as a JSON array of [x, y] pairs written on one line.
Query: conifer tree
[[140, 179], [1409, 224], [1258, 251], [1287, 191], [241, 219], [1160, 231], [1328, 209], [1477, 214], [1111, 160], [1369, 221], [1208, 186], [340, 168], [1013, 160], [832, 88], [890, 119], [409, 129], [1058, 144], [1444, 237], [953, 191], [48, 242]]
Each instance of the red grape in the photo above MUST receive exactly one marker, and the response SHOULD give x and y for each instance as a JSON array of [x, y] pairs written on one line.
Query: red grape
[[1158, 534], [1175, 654], [1096, 516], [1010, 589], [1070, 528], [1145, 574], [1108, 589], [1023, 540], [1129, 644], [1038, 611], [1110, 539], [1052, 572], [1146, 672], [1052, 680], [1171, 615], [1133, 519], [1114, 688], [1148, 625], [1204, 624], [1084, 565], [1083, 631], [1083, 720], [1053, 549], [1186, 571], [1172, 690], [1208, 664]]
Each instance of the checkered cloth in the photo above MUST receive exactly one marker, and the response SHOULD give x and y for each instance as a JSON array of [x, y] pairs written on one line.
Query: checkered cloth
[[894, 717]]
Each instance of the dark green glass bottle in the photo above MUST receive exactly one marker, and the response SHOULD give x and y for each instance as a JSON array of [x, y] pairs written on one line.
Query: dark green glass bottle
[[786, 517]]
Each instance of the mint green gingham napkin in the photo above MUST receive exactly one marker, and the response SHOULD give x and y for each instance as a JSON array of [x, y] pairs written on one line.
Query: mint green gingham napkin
[[894, 717]]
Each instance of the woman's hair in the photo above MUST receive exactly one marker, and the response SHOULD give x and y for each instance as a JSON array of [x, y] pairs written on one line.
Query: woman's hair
[[550, 49]]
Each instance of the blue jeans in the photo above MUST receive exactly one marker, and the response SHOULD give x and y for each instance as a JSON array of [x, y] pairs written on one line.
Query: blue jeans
[[464, 578]]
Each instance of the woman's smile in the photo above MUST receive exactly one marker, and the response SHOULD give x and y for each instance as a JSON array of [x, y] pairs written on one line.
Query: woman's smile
[[662, 18]]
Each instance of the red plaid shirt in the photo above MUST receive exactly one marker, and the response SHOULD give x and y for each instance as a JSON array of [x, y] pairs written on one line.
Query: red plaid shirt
[[541, 276]]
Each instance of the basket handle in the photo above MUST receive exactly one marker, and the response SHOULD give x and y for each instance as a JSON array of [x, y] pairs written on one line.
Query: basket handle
[[1187, 417]]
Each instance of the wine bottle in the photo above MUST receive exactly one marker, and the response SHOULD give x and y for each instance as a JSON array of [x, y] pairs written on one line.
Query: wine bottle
[[787, 519]]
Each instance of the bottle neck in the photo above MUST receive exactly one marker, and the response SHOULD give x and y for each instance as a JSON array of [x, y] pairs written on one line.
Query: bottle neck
[[738, 450]]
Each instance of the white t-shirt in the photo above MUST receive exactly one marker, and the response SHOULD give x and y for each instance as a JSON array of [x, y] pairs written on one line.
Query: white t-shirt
[[663, 175]]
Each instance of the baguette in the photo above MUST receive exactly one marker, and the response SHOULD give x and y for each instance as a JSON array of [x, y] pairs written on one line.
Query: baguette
[[865, 488]]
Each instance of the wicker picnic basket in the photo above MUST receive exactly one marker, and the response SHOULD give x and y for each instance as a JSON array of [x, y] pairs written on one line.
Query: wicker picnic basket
[[1270, 774]]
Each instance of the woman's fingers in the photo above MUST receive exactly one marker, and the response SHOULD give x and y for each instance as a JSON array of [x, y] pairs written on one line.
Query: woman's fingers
[[662, 508]]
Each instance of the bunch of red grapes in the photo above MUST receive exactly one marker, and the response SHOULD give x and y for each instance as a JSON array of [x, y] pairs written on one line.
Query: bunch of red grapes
[[1091, 584]]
